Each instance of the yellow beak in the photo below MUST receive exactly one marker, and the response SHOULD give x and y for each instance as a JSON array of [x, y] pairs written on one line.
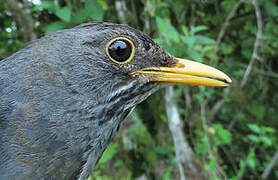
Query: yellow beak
[[186, 72]]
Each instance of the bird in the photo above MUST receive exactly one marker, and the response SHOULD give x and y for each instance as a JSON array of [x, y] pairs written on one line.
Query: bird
[[63, 96]]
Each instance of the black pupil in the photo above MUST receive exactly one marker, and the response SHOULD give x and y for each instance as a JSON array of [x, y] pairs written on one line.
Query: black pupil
[[120, 50]]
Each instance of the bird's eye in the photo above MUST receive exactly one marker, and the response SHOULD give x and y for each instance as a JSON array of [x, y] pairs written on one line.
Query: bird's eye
[[120, 50]]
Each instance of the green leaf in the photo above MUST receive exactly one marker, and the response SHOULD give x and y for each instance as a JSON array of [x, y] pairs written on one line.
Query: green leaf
[[119, 163], [80, 16], [163, 118], [168, 174], [167, 30], [203, 40], [208, 51], [109, 153], [189, 40], [254, 127], [268, 130], [198, 29], [160, 150], [257, 110], [44, 5], [202, 147], [226, 48], [151, 156], [185, 30], [253, 138], [228, 5], [103, 4], [193, 55], [95, 9], [266, 140], [222, 136], [251, 161], [64, 14], [55, 26], [159, 41], [247, 53]]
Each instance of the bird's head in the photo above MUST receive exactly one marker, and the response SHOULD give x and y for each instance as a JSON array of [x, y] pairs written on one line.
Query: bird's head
[[67, 92], [114, 60]]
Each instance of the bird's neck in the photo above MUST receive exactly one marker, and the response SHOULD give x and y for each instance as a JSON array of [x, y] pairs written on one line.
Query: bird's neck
[[101, 118]]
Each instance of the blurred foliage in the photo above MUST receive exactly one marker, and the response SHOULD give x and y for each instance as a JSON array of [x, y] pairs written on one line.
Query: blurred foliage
[[240, 138]]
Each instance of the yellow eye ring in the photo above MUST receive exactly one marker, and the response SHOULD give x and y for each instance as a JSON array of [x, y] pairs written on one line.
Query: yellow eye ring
[[120, 50]]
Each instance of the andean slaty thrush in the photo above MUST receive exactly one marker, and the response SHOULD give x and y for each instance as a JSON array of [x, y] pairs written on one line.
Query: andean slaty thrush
[[64, 95]]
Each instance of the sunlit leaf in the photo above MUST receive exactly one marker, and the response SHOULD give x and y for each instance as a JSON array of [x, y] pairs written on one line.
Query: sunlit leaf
[[202, 147], [167, 30], [198, 29], [253, 138], [254, 127], [64, 14], [203, 39], [251, 161], [80, 16], [109, 153], [168, 174], [228, 5], [55, 26], [160, 150], [189, 40], [222, 136], [266, 140], [193, 55], [119, 163], [269, 129], [185, 30], [95, 9]]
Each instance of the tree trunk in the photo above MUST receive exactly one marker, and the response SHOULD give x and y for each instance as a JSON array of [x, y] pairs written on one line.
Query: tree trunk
[[186, 160]]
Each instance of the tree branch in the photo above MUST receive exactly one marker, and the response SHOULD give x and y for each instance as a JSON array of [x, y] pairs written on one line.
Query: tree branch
[[220, 172], [270, 165], [120, 6], [217, 106], [255, 56], [257, 43], [184, 154], [225, 25], [23, 19]]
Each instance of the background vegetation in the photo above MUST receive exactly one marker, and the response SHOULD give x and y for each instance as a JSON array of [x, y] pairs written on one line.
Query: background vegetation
[[227, 133]]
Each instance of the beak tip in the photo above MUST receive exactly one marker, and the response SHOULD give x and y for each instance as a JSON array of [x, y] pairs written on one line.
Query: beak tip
[[228, 80]]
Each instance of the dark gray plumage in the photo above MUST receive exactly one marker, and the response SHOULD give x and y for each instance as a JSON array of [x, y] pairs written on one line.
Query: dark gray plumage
[[62, 99], [63, 96]]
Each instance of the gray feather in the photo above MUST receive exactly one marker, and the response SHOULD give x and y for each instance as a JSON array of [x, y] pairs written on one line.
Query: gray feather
[[62, 99]]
